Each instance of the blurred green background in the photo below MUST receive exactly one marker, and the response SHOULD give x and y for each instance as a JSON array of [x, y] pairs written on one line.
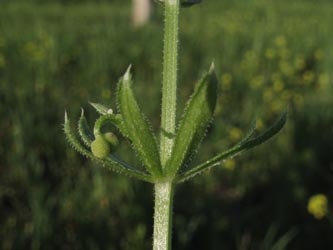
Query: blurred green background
[[57, 55]]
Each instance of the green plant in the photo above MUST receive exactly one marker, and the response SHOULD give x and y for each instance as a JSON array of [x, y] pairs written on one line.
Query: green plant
[[168, 163], [271, 240]]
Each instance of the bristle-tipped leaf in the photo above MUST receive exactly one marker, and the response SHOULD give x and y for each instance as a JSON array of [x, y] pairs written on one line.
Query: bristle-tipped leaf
[[137, 127], [84, 131], [267, 134], [197, 116], [243, 145], [101, 109], [250, 133], [71, 138]]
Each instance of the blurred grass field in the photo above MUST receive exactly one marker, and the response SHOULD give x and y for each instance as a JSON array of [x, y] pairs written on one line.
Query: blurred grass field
[[56, 57]]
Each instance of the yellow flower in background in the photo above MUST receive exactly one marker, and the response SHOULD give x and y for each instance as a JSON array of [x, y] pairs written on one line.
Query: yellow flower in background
[[286, 68], [226, 81], [299, 100], [270, 53], [318, 206], [268, 95], [278, 85], [38, 49], [308, 77], [34, 51], [280, 41], [319, 54], [257, 82], [235, 134], [323, 80], [230, 164], [259, 124], [299, 63]]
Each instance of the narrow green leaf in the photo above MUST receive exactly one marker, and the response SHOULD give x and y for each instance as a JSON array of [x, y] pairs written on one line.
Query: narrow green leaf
[[246, 144], [73, 140], [137, 127], [274, 129], [117, 165], [102, 109], [111, 162], [285, 240], [250, 133], [84, 131], [197, 116], [269, 238]]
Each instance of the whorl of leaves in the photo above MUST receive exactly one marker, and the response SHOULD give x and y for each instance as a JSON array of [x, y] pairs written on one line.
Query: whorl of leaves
[[134, 126]]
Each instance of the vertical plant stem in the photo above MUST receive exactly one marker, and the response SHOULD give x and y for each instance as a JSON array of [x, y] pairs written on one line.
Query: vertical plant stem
[[169, 88], [164, 191], [163, 216]]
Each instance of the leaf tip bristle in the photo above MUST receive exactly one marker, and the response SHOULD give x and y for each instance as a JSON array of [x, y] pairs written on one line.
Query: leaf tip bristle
[[66, 116], [127, 75], [212, 67]]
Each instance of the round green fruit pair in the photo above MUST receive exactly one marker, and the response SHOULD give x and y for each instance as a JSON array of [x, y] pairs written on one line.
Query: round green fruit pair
[[104, 144]]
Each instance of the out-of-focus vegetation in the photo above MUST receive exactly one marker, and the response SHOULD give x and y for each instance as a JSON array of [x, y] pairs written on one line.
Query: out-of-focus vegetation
[[269, 53]]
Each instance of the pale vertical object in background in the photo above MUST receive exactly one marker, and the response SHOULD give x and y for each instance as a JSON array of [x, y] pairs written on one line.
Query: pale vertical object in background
[[141, 10]]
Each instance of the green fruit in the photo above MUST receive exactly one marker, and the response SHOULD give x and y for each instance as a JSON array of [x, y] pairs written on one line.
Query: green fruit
[[100, 147], [112, 139]]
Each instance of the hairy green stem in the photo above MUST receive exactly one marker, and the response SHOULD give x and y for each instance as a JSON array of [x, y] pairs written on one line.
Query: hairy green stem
[[169, 88], [164, 190], [163, 216]]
